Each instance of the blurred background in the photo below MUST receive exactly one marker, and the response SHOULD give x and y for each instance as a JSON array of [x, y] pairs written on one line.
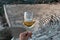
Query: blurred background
[[2, 2]]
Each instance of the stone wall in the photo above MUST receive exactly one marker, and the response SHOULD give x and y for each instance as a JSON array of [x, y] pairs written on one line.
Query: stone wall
[[43, 11]]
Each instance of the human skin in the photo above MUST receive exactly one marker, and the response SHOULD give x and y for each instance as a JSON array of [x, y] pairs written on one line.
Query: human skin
[[25, 35]]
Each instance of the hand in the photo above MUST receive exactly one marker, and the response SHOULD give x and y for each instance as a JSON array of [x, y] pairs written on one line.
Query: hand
[[25, 35]]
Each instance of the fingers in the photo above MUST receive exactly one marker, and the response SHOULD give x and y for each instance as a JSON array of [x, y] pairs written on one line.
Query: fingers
[[26, 34], [29, 34], [23, 34]]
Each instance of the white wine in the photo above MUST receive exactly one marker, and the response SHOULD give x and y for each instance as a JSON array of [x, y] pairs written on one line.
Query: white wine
[[29, 24], [28, 19]]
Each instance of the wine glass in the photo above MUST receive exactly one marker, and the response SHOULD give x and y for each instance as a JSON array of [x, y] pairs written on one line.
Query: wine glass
[[28, 20]]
